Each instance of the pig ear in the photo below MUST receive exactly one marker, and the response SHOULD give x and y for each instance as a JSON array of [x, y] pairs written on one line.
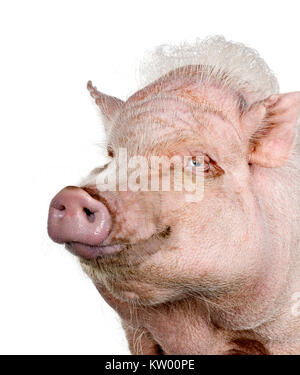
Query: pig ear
[[271, 127], [109, 105]]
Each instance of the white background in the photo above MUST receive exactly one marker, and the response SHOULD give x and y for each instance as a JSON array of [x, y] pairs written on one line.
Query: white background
[[50, 129]]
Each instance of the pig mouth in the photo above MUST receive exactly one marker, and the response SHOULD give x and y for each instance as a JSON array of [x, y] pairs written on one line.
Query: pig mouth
[[108, 251], [91, 252]]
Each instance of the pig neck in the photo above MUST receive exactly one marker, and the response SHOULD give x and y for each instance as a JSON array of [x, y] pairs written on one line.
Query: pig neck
[[254, 323]]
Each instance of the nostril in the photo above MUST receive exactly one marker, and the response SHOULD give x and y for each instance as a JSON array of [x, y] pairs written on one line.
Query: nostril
[[90, 215], [59, 210], [88, 212]]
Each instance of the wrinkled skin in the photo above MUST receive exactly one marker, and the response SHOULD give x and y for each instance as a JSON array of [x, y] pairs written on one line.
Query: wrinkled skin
[[215, 276]]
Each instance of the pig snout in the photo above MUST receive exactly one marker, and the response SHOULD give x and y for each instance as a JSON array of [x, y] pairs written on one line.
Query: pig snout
[[81, 222]]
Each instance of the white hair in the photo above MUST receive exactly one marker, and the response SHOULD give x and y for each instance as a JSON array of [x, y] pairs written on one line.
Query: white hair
[[244, 70]]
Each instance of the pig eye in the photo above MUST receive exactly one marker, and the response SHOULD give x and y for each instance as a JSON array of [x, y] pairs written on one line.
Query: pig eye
[[197, 165], [204, 164]]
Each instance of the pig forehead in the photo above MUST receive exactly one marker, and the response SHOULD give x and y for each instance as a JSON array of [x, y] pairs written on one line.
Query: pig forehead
[[168, 117], [176, 103], [162, 111]]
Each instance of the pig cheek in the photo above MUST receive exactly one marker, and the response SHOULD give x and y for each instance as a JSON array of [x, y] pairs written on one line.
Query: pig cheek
[[214, 240], [131, 227], [135, 219], [231, 242]]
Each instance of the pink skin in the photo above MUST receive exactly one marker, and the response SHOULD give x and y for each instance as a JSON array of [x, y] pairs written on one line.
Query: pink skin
[[219, 273]]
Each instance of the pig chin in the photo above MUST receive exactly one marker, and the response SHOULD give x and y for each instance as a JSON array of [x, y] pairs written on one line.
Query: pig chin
[[123, 274], [127, 276], [126, 282]]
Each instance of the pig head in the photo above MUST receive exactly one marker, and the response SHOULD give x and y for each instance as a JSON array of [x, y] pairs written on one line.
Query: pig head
[[214, 275]]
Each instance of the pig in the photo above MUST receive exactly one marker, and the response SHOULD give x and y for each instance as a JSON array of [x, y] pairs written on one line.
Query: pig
[[214, 275]]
